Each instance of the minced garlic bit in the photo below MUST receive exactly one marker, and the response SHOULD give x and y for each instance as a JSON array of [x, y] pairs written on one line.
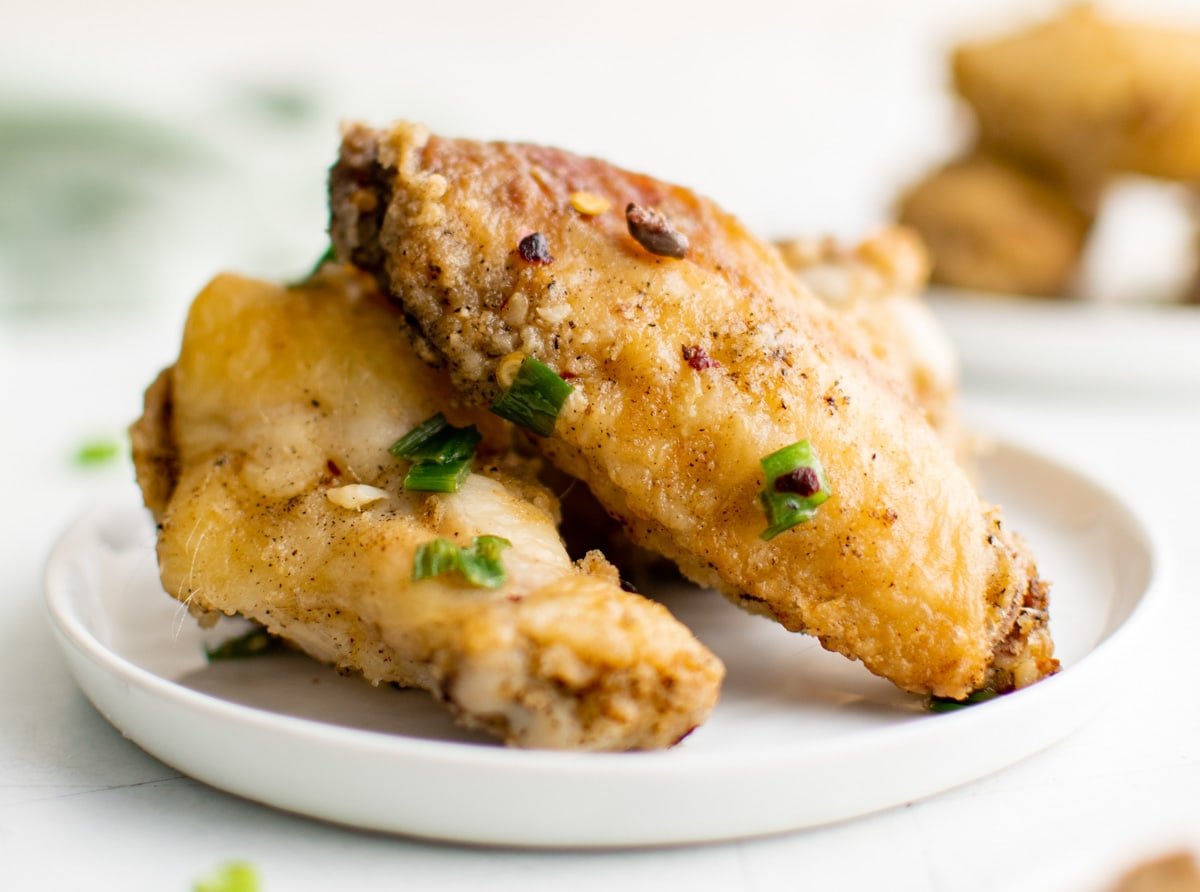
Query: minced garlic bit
[[355, 496], [589, 203], [507, 368], [554, 314]]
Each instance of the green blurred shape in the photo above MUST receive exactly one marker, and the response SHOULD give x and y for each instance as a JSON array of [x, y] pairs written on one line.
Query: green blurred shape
[[236, 876]]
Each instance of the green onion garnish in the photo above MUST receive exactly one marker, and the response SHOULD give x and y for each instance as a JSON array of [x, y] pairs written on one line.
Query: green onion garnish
[[479, 562], [97, 452], [329, 256], [237, 876], [795, 486], [947, 704], [535, 398], [434, 476], [441, 454], [435, 439], [254, 643]]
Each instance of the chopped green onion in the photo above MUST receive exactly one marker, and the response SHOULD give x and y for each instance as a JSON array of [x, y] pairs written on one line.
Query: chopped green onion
[[97, 452], [433, 476], [479, 562], [441, 454], [254, 643], [329, 256], [795, 487], [535, 398], [435, 439], [237, 876], [947, 704]]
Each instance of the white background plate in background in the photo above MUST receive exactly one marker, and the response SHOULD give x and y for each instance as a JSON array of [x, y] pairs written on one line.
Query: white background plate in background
[[801, 737], [1137, 348]]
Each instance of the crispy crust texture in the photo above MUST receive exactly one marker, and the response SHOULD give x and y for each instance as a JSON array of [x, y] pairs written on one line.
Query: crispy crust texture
[[878, 285], [994, 226], [1083, 96], [903, 568], [284, 399]]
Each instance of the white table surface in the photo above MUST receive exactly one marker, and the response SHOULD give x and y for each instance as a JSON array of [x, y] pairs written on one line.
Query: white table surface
[[79, 805], [82, 808]]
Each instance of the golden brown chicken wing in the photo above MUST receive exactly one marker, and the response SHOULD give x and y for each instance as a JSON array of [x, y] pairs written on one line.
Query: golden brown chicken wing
[[1083, 97], [877, 285], [993, 226], [264, 455], [686, 373]]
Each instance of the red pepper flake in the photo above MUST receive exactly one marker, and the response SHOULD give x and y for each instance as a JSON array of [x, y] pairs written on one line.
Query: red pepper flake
[[697, 357], [535, 249], [654, 232], [333, 468], [802, 481]]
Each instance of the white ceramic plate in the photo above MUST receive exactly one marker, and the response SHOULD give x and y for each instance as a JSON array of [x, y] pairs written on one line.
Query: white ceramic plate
[[1141, 349], [801, 737]]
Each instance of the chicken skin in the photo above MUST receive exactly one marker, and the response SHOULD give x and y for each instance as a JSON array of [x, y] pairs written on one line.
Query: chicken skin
[[263, 454], [877, 285], [686, 373], [1083, 97], [994, 226]]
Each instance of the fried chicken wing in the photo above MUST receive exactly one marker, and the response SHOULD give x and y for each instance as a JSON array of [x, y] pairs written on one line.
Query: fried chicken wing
[[994, 226], [687, 372], [877, 285], [263, 455], [1084, 97]]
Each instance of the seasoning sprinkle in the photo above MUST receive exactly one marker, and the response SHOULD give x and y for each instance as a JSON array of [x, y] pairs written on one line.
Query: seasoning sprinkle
[[535, 249], [802, 481], [589, 203], [697, 357], [654, 232]]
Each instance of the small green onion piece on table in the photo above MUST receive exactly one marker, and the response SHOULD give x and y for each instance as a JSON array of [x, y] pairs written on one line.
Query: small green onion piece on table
[[479, 562], [947, 704], [97, 452], [795, 487], [440, 452], [238, 876], [535, 398]]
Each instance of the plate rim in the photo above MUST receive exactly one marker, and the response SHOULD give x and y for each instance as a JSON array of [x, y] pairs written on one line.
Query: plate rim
[[1087, 327], [638, 767]]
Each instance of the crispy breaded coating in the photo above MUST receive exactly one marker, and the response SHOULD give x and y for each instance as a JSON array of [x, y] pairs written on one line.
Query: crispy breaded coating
[[263, 454], [877, 285], [1177, 872], [686, 373], [1084, 97], [993, 226]]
